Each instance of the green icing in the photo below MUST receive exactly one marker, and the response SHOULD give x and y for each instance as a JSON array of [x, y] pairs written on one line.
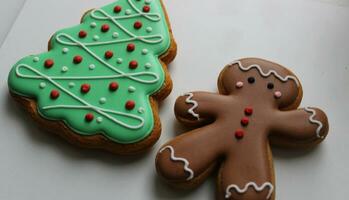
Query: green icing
[[30, 78]]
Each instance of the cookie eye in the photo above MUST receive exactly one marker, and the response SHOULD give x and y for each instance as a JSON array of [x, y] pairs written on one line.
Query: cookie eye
[[270, 86], [251, 79]]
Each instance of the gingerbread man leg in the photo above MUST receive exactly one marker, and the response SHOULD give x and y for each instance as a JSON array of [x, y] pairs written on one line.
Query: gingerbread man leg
[[249, 181], [187, 158]]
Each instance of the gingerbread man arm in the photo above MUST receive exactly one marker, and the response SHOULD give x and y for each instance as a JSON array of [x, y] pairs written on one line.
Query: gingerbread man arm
[[302, 126], [199, 107]]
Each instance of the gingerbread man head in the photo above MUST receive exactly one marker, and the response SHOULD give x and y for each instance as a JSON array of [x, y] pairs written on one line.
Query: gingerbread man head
[[273, 83], [256, 106]]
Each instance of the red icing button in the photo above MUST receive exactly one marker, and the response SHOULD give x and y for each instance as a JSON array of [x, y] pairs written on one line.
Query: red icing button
[[82, 34], [49, 63], [130, 105], [85, 88], [133, 64], [117, 9], [77, 59], [239, 134], [244, 121], [137, 25], [54, 94], [89, 117], [105, 28], [131, 47], [113, 86], [108, 54], [248, 111], [146, 9]]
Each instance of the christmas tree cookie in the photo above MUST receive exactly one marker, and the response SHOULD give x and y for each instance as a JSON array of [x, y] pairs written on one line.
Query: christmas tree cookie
[[99, 83]]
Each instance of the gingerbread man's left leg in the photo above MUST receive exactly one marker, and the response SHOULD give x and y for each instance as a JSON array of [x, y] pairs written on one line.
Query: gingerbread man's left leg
[[189, 159]]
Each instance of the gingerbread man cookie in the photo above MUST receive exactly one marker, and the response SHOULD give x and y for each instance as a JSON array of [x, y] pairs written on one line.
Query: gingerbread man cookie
[[256, 107]]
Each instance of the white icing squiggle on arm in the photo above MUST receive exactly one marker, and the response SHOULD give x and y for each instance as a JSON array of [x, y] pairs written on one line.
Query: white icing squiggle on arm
[[190, 100], [314, 121], [185, 161], [270, 72], [250, 184]]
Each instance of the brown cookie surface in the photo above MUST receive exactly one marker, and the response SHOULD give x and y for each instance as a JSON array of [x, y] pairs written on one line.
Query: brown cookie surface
[[256, 107]]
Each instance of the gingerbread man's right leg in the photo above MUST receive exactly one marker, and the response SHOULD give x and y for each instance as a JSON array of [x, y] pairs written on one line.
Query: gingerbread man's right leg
[[189, 158]]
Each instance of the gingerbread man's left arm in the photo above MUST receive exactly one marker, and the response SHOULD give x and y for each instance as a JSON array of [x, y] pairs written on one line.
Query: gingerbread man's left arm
[[195, 108], [299, 127]]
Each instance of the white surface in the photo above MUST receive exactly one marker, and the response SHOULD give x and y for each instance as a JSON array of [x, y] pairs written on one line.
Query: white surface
[[9, 11], [309, 36]]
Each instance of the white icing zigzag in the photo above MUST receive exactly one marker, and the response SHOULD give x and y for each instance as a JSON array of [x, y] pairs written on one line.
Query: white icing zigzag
[[189, 100], [86, 105], [185, 161], [250, 184], [314, 121], [270, 72]]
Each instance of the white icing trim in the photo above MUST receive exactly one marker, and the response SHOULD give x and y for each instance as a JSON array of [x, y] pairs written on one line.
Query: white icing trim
[[86, 105], [314, 121], [121, 75], [189, 100], [185, 161], [132, 76], [145, 39], [250, 184], [68, 40], [267, 74]]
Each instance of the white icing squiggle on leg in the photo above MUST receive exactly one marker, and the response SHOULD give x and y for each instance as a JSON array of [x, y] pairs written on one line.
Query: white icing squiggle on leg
[[190, 100], [314, 121], [185, 161], [250, 184]]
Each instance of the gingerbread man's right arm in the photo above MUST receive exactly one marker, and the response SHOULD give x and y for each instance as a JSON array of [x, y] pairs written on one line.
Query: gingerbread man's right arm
[[195, 108]]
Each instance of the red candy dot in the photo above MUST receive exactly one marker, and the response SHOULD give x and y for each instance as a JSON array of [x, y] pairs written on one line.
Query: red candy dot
[[239, 134], [113, 86], [117, 9], [146, 9], [131, 47], [133, 64], [77, 59], [244, 121], [54, 94], [49, 63], [105, 28], [137, 25], [248, 111], [85, 88], [89, 117], [130, 105], [82, 34], [108, 54]]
